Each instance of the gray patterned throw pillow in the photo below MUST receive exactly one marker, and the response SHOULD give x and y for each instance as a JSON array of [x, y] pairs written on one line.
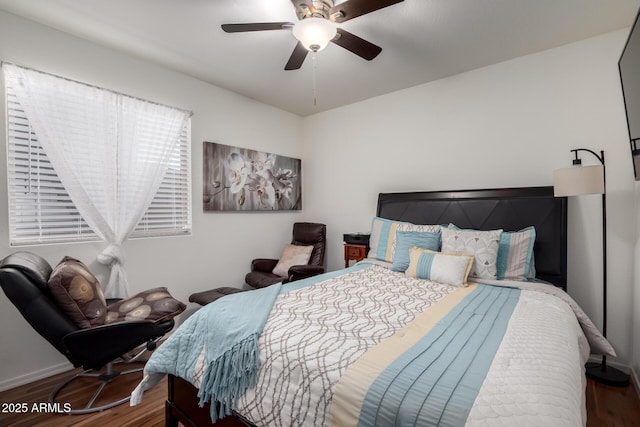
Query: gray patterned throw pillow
[[482, 244]]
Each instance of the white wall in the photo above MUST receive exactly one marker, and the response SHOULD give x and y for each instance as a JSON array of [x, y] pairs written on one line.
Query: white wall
[[509, 124], [222, 245], [635, 331]]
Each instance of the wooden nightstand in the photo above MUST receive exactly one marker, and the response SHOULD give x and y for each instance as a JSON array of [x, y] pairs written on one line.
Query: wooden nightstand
[[354, 252]]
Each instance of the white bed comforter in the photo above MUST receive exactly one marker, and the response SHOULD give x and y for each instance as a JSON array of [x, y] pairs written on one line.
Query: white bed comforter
[[313, 334]]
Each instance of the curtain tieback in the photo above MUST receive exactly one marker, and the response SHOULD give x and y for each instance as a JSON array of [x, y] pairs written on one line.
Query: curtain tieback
[[111, 255]]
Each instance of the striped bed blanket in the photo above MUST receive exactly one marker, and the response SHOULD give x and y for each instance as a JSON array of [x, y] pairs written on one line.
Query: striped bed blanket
[[371, 347]]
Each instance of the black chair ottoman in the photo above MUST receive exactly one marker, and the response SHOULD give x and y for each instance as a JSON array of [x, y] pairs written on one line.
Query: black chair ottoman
[[205, 297]]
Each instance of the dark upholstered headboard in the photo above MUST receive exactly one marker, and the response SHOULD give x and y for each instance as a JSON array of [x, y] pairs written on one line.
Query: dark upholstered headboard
[[510, 209]]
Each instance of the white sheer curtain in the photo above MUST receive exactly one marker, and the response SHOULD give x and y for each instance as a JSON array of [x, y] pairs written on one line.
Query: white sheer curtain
[[109, 150]]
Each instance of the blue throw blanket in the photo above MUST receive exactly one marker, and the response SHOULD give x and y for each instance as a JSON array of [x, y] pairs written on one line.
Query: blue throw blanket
[[231, 327]]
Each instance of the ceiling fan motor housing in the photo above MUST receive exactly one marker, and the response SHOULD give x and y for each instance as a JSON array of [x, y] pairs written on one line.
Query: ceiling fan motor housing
[[317, 9]]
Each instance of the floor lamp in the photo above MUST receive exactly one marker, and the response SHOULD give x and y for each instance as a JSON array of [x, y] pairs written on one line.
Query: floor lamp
[[575, 181]]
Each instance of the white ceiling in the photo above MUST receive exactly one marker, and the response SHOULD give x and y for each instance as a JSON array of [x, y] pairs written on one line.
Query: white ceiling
[[422, 40]]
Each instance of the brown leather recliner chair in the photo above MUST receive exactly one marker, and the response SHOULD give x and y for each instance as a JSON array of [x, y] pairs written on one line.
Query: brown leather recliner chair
[[304, 233]]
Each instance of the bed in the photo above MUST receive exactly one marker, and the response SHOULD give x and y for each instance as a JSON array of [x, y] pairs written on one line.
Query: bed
[[379, 367]]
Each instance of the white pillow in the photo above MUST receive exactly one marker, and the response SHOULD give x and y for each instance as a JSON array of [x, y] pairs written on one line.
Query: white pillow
[[482, 244], [292, 255], [450, 269]]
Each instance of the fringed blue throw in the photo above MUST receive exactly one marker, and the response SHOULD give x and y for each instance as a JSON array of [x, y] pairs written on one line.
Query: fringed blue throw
[[232, 326], [232, 356]]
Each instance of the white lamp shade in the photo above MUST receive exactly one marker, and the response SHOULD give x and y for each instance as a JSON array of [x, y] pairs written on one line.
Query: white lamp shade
[[578, 180], [314, 33]]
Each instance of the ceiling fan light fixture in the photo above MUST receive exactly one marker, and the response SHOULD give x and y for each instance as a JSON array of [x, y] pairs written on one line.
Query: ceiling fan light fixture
[[314, 33]]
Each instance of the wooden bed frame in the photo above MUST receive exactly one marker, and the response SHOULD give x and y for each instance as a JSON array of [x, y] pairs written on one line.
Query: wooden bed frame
[[511, 209]]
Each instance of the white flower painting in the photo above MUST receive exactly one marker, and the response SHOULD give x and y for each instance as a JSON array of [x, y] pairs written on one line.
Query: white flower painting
[[239, 179]]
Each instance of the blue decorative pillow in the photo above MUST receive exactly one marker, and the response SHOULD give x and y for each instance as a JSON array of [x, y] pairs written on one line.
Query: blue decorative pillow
[[382, 243], [532, 268], [407, 239], [515, 254]]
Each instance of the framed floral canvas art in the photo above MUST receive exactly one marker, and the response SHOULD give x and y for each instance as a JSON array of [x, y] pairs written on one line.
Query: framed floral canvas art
[[240, 179]]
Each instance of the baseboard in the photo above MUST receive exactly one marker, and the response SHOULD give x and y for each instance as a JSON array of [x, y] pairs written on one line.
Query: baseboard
[[35, 376], [57, 369], [636, 382], [597, 359]]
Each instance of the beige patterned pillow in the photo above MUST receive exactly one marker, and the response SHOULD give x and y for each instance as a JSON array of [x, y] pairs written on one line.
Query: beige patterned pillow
[[292, 255], [483, 244]]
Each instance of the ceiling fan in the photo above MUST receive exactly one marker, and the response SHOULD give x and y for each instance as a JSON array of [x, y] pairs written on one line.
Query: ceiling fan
[[317, 26]]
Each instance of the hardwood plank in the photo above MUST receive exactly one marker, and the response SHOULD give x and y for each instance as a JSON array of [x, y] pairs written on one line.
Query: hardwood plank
[[150, 413], [606, 405], [612, 406]]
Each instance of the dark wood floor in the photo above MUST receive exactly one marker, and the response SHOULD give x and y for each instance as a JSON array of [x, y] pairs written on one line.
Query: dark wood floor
[[612, 406], [149, 413], [606, 406]]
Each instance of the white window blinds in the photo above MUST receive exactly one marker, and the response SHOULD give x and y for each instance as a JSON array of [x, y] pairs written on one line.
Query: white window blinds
[[41, 211], [170, 211]]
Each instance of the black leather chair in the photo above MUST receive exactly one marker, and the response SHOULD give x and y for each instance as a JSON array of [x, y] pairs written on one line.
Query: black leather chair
[[304, 233], [24, 279]]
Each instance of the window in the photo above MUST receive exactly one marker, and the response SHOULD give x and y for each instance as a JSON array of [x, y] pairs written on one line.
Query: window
[[41, 211], [170, 211]]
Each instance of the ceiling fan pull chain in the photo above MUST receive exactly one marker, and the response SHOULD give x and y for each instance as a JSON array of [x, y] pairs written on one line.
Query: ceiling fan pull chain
[[315, 84]]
